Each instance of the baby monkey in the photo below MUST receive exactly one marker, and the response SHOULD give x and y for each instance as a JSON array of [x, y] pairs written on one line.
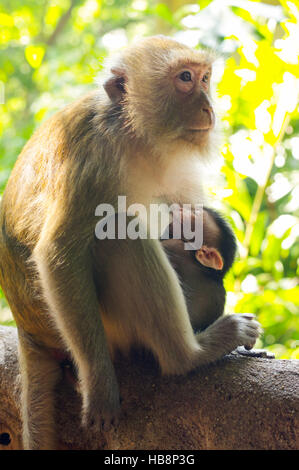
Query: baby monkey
[[202, 271]]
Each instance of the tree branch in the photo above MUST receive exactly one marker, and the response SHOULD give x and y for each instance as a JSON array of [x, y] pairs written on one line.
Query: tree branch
[[239, 403]]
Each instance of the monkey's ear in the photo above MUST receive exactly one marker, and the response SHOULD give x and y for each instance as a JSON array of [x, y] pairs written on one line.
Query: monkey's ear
[[209, 257], [115, 85]]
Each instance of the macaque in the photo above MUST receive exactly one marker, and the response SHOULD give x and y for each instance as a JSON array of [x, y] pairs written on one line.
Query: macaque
[[149, 123]]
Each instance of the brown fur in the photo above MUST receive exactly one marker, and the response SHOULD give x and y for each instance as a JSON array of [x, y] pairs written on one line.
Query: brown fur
[[89, 153]]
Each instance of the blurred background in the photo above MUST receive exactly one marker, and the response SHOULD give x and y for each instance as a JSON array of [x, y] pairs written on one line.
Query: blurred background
[[51, 51]]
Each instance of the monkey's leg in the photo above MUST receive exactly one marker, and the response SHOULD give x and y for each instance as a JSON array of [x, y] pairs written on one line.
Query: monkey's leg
[[40, 373], [68, 285]]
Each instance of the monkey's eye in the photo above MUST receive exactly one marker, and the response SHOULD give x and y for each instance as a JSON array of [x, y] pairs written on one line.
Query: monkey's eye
[[185, 76], [205, 78], [185, 81]]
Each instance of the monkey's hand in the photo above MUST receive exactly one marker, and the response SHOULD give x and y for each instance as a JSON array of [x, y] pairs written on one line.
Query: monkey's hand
[[101, 412], [249, 327], [226, 334]]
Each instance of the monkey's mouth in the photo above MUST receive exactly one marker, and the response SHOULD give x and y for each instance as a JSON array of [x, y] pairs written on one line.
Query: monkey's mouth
[[197, 133], [197, 136]]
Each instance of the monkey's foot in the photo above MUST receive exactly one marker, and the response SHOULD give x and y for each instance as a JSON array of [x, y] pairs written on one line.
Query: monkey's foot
[[101, 410], [100, 420], [254, 352]]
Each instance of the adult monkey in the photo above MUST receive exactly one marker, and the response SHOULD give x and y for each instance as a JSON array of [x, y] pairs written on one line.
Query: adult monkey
[[135, 137]]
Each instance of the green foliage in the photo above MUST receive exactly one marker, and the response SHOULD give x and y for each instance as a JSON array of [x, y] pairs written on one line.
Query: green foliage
[[52, 50]]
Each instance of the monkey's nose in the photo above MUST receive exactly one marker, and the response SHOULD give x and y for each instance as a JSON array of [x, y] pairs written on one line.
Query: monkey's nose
[[204, 119], [209, 116]]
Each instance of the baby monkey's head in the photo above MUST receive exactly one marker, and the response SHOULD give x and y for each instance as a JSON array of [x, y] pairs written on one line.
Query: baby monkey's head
[[217, 253]]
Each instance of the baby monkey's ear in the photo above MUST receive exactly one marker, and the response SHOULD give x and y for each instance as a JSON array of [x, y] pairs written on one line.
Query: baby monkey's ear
[[115, 84], [209, 257]]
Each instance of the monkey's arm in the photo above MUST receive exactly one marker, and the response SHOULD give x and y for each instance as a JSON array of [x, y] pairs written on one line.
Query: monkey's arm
[[145, 300], [66, 276], [145, 303], [226, 334]]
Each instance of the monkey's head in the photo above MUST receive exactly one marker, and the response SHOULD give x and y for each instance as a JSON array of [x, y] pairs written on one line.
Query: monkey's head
[[163, 89]]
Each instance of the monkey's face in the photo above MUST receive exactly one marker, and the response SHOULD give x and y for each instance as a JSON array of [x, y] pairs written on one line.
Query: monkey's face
[[194, 109], [164, 90]]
